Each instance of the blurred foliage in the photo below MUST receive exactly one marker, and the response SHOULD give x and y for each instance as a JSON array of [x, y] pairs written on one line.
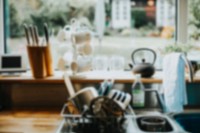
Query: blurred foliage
[[15, 22], [108, 10], [139, 17], [194, 9], [55, 15], [183, 48]]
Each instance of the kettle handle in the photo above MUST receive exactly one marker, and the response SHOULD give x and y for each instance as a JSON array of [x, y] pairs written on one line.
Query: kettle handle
[[140, 49]]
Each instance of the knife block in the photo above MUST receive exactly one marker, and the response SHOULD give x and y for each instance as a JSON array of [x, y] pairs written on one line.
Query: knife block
[[37, 61], [40, 60]]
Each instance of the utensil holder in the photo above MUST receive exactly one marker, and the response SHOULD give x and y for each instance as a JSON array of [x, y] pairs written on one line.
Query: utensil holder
[[40, 61], [37, 61], [48, 60]]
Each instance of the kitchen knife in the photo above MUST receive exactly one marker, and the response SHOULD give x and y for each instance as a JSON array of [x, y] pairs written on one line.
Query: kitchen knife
[[32, 34], [27, 34], [36, 35], [46, 32]]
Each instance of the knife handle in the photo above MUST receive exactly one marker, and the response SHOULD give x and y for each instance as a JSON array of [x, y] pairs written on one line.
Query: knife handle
[[35, 29], [27, 34], [46, 33], [32, 34]]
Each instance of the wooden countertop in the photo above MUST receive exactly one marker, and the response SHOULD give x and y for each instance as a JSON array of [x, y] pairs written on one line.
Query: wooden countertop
[[30, 120], [88, 77], [35, 120]]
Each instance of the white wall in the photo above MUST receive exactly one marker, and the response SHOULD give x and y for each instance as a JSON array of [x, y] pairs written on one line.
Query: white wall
[[1, 28]]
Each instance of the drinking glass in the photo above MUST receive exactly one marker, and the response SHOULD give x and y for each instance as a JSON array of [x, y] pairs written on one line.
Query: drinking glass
[[100, 63], [116, 63]]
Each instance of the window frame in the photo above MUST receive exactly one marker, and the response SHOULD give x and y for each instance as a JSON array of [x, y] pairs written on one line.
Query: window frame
[[181, 23], [2, 28]]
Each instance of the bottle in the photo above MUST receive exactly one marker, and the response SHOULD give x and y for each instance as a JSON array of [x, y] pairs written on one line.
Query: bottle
[[137, 91]]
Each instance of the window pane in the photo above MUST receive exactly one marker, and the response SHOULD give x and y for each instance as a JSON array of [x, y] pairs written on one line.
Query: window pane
[[194, 28], [128, 24]]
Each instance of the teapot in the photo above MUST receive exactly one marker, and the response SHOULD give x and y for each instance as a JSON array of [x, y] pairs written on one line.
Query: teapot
[[143, 68]]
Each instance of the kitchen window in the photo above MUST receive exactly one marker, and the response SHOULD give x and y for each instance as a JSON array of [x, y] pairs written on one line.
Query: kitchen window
[[194, 28], [1, 28], [146, 25]]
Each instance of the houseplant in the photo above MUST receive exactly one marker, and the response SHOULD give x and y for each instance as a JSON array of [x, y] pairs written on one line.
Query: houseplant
[[180, 48], [177, 47]]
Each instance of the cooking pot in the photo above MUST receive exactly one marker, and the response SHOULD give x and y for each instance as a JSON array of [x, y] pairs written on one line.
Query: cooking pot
[[144, 68], [83, 97], [153, 123]]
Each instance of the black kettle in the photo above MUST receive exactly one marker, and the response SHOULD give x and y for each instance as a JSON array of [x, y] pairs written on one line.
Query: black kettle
[[143, 68]]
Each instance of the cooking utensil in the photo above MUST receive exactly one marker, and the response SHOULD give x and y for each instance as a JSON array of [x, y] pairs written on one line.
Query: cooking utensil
[[103, 107], [32, 34], [143, 68], [70, 88], [35, 30], [105, 87], [49, 59], [153, 124], [46, 33], [83, 98], [27, 34], [122, 98]]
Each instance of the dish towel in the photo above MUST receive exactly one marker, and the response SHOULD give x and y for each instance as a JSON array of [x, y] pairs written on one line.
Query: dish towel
[[174, 82]]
